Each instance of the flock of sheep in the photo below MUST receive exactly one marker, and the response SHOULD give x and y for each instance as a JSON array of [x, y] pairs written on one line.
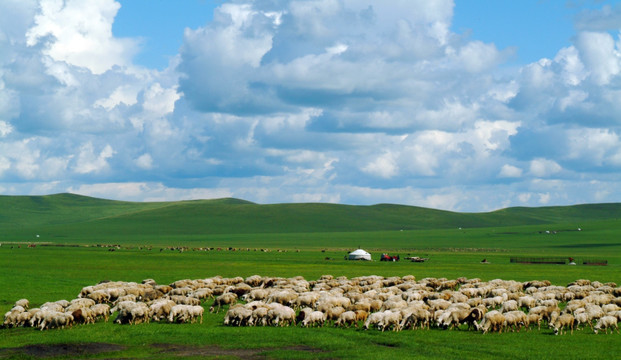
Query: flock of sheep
[[393, 303]]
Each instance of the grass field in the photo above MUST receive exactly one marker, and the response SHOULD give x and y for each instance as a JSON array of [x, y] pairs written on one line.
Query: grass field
[[49, 273]]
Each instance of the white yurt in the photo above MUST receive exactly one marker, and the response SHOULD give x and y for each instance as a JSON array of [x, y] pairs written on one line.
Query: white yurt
[[359, 255]]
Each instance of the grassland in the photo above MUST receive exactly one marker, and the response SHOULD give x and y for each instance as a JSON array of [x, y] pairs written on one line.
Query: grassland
[[313, 238]]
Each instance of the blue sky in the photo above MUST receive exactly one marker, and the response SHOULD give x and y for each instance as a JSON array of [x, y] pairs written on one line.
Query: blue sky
[[458, 105]]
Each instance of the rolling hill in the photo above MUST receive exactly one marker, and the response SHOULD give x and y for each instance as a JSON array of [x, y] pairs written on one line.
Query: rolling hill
[[73, 213]]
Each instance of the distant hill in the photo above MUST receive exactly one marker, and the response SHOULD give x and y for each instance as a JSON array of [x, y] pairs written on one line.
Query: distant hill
[[73, 213]]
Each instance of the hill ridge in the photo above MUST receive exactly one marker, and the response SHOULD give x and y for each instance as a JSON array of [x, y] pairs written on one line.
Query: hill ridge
[[230, 216]]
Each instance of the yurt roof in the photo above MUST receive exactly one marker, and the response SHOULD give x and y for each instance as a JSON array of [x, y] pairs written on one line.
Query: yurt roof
[[359, 252]]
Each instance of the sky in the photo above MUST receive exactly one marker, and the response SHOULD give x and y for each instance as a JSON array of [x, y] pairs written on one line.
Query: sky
[[459, 105]]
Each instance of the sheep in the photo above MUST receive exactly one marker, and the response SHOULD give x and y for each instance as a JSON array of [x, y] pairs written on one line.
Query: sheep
[[23, 303], [82, 303], [52, 306], [56, 320], [281, 315], [224, 299], [238, 315], [606, 322], [185, 300], [373, 319], [259, 315], [389, 319], [160, 309], [347, 319], [314, 318], [417, 316], [515, 320], [102, 310], [98, 296], [562, 322], [11, 317], [527, 302], [184, 291], [475, 314], [493, 320], [83, 315], [582, 318]]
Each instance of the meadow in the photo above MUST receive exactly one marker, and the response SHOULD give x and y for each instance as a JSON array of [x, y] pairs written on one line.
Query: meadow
[[50, 272]]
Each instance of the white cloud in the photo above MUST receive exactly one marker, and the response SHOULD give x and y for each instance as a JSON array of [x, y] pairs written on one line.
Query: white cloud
[[79, 32], [510, 171], [383, 166], [160, 101], [544, 167], [144, 161], [477, 56], [88, 161], [124, 94], [600, 55], [5, 128]]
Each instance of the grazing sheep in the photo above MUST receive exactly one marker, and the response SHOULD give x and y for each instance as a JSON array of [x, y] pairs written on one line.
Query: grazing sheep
[[101, 310], [314, 318], [390, 319], [373, 319], [606, 322], [238, 315], [281, 315], [515, 320], [347, 319], [562, 322], [493, 320], [224, 299], [23, 303]]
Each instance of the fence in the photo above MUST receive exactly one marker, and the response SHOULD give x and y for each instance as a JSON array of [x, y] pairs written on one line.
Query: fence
[[556, 260]]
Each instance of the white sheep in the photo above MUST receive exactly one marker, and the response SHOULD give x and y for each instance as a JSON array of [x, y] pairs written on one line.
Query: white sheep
[[606, 322], [314, 318]]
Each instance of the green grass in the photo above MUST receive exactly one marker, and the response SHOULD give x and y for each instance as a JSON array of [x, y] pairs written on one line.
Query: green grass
[[49, 273]]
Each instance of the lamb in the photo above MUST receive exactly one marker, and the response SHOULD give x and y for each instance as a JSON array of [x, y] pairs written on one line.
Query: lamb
[[606, 322], [562, 322]]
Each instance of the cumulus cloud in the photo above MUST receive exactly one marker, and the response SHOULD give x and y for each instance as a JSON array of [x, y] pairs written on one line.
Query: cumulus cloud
[[89, 160], [322, 100], [79, 32]]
